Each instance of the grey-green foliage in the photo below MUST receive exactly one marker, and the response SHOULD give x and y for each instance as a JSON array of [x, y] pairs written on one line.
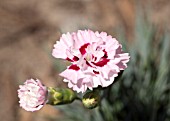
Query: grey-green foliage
[[145, 84], [76, 112], [143, 92]]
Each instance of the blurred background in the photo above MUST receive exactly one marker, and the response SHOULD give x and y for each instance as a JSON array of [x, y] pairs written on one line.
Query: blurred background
[[28, 30]]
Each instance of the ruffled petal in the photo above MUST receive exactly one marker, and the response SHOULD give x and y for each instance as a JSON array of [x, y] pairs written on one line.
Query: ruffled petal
[[97, 58]]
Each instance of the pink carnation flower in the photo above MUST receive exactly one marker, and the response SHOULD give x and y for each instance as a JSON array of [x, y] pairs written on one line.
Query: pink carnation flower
[[32, 95], [96, 59]]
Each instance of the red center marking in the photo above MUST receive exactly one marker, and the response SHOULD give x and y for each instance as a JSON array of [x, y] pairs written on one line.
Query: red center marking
[[83, 48], [74, 67]]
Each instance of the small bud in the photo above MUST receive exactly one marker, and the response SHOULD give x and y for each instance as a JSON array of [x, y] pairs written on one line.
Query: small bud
[[59, 96], [91, 99]]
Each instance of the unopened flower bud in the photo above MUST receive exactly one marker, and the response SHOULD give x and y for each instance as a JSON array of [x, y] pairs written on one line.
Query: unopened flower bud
[[91, 99], [59, 96]]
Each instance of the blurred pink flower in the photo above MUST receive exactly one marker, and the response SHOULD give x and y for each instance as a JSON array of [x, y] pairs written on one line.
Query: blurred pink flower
[[32, 95], [96, 59]]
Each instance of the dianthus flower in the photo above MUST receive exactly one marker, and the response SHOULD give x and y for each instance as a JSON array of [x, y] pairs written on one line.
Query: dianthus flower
[[32, 95], [96, 59]]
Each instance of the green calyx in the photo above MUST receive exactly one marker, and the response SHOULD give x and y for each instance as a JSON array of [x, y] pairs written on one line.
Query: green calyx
[[59, 96]]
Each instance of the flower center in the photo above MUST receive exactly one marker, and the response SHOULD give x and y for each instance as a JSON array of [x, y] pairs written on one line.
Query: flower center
[[88, 57], [93, 55]]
